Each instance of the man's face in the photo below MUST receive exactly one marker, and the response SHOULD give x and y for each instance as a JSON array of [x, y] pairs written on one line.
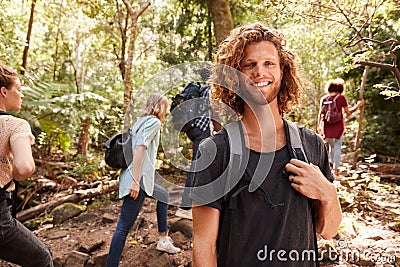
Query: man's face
[[261, 65]]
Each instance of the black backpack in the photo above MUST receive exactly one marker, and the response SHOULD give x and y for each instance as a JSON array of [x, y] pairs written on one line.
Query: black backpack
[[330, 114], [187, 105], [119, 148]]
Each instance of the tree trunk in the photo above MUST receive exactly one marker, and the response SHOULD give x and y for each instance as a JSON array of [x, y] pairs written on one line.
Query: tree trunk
[[122, 27], [222, 18], [28, 38], [209, 33], [360, 118], [55, 58], [134, 15], [84, 138]]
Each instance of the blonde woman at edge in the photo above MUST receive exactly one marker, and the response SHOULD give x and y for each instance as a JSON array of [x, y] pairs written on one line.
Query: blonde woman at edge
[[137, 181]]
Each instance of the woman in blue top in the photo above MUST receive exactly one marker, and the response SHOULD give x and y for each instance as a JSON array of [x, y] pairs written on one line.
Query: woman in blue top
[[137, 181]]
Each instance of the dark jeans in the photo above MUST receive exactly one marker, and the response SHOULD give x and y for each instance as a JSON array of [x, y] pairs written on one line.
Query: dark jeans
[[129, 212], [18, 244], [196, 136]]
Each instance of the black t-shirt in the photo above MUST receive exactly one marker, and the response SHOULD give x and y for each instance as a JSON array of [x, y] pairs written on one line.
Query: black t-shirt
[[272, 226]]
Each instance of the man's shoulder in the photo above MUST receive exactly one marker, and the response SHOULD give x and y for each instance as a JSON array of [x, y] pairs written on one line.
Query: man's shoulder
[[216, 147], [307, 133], [310, 139], [218, 140], [314, 146]]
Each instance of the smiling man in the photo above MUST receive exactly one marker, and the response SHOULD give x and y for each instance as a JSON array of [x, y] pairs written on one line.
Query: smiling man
[[276, 222]]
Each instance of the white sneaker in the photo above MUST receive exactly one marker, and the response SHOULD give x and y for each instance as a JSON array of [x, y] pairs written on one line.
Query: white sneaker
[[166, 244], [185, 214]]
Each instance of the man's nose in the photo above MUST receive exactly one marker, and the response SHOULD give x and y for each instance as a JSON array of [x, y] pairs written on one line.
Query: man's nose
[[259, 70]]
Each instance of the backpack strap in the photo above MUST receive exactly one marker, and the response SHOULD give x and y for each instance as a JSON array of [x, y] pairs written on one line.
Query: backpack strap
[[293, 139], [297, 151], [234, 131], [235, 170], [334, 99]]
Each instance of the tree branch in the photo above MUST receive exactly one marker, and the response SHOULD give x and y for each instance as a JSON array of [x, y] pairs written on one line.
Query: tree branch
[[384, 66], [75, 197]]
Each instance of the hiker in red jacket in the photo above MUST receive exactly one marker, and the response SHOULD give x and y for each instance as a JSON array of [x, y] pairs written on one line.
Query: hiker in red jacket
[[333, 129]]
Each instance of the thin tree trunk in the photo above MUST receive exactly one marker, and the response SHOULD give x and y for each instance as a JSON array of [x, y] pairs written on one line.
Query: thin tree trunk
[[78, 90], [134, 15], [55, 58], [222, 18], [84, 137], [209, 31], [360, 118], [122, 27], [28, 38]]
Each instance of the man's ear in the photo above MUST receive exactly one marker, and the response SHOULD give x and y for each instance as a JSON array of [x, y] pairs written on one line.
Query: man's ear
[[3, 91]]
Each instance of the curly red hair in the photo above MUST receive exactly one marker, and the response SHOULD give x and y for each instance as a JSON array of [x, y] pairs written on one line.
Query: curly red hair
[[229, 55]]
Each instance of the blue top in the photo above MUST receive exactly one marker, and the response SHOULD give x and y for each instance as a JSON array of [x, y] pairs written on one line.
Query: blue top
[[145, 131]]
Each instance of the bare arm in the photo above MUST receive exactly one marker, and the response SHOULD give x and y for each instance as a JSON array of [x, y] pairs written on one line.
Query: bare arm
[[23, 163], [205, 233], [319, 125], [349, 111], [137, 161], [310, 182], [328, 215]]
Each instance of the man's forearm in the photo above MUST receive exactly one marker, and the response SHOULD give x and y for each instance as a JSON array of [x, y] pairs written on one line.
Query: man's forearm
[[204, 255], [205, 232], [328, 215]]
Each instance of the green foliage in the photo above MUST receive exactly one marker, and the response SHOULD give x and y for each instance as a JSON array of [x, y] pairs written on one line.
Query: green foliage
[[13, 20], [186, 25], [381, 127], [388, 91], [382, 131], [84, 169], [56, 115]]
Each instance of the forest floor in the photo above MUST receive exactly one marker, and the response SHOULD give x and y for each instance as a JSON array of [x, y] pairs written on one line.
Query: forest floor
[[368, 235]]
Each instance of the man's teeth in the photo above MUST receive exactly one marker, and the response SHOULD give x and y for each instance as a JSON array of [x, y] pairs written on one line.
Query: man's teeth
[[263, 84]]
